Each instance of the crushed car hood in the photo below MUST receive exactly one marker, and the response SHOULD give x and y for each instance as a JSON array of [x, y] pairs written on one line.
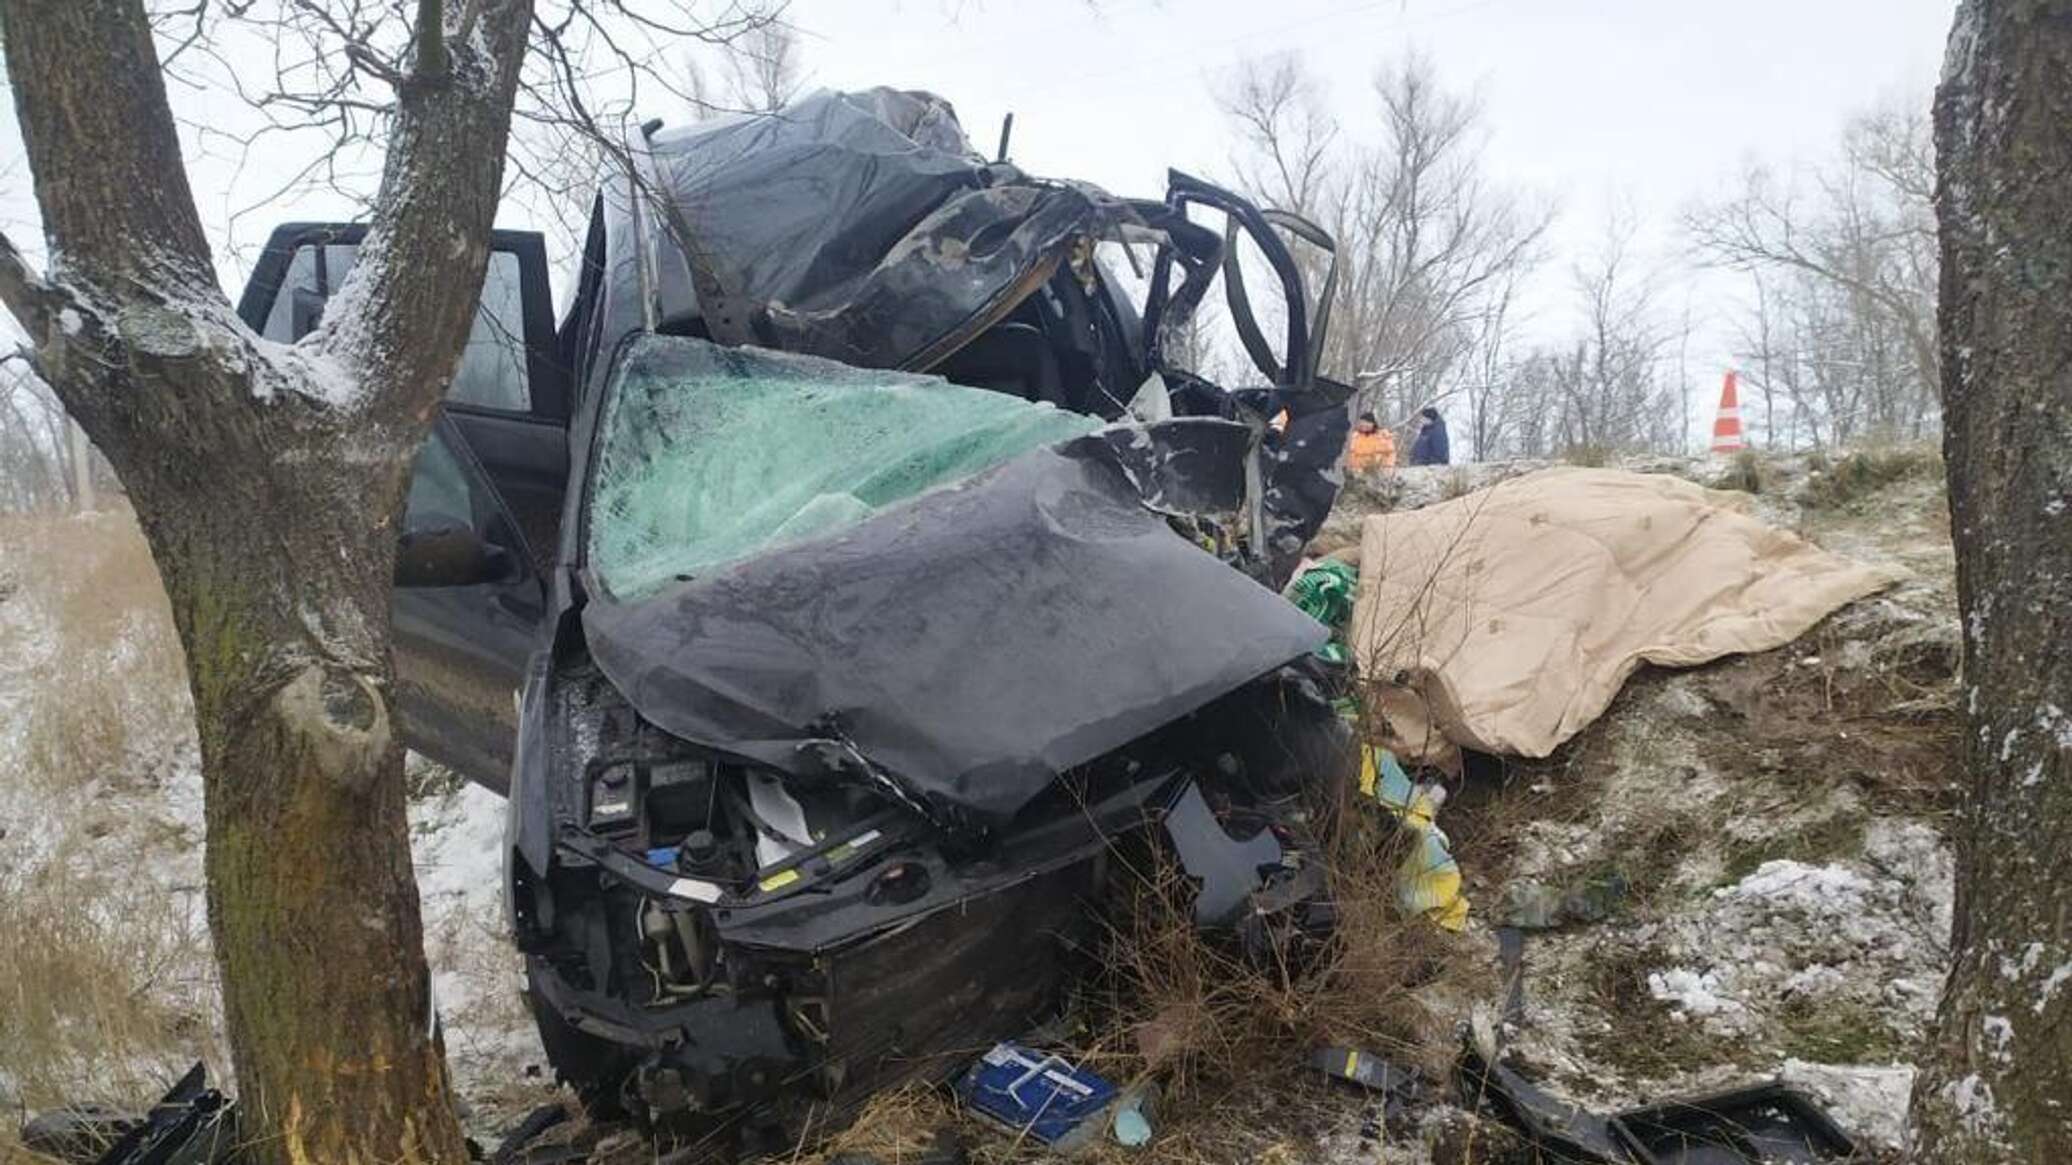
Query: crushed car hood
[[970, 643]]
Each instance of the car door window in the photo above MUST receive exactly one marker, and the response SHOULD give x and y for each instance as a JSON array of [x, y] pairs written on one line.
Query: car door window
[[493, 370], [441, 496], [455, 530]]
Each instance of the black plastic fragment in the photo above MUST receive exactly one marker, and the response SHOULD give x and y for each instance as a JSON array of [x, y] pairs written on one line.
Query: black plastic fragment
[[1768, 1123], [1758, 1125], [1401, 1089], [192, 1124], [1568, 1132], [511, 1149], [80, 1133]]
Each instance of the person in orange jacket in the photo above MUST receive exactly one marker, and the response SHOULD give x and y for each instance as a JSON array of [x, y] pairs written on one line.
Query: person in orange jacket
[[1370, 447]]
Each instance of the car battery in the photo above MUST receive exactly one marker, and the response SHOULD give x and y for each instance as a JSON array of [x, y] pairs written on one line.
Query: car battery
[[1042, 1095]]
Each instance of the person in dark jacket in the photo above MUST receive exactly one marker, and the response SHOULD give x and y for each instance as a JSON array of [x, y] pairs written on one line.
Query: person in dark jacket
[[1431, 446]]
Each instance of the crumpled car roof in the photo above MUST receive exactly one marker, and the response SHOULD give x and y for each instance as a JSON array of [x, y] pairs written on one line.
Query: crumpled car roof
[[857, 226]]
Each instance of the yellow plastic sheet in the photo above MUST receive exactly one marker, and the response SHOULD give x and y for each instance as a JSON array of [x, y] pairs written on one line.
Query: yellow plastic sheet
[[1428, 882]]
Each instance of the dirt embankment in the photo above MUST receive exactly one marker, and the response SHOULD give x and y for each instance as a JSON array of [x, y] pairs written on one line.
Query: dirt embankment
[[1777, 822]]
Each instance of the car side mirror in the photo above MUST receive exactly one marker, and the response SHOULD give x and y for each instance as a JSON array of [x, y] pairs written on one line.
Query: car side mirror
[[451, 556]]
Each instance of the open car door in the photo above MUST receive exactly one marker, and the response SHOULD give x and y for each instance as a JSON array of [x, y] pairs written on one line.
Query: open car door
[[484, 498]]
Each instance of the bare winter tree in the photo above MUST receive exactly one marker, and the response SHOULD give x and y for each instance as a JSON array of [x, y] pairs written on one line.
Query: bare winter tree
[[1493, 411], [765, 67], [1767, 369], [35, 456], [1428, 245], [265, 475], [1847, 255], [1607, 390], [1287, 140], [1998, 1073], [261, 475], [760, 71]]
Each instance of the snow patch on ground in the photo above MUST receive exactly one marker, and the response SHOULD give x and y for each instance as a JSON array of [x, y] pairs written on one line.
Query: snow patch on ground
[[457, 844], [1694, 993], [1868, 1100], [1814, 938]]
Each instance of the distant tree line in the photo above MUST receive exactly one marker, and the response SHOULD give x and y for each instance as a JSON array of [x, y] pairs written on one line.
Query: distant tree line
[[1839, 345], [1836, 346]]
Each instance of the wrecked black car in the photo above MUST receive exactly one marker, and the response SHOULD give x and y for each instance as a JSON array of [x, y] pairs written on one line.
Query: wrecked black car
[[838, 585]]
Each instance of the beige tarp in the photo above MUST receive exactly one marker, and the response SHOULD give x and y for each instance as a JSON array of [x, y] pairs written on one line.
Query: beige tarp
[[1506, 620]]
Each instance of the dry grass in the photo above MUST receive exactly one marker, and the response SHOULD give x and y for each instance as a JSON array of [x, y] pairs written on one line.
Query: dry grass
[[1864, 472], [106, 981], [1458, 484], [107, 995], [110, 683], [1746, 472], [1588, 456], [1225, 1037]]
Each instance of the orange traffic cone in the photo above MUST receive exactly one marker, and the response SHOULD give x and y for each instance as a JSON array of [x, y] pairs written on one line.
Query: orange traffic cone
[[1726, 430]]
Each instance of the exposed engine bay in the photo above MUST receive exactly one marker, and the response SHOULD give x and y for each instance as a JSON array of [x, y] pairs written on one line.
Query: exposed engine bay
[[724, 948]]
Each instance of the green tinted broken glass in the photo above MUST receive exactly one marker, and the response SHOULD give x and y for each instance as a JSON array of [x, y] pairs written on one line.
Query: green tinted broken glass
[[710, 455]]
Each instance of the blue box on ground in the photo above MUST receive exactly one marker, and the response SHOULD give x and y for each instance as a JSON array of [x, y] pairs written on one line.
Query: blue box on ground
[[1025, 1089]]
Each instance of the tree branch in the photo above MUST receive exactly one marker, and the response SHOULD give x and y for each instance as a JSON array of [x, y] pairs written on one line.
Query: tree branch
[[431, 48], [402, 315], [23, 291], [470, 12], [103, 148]]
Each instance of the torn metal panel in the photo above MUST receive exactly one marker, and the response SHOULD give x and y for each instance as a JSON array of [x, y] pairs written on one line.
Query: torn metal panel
[[859, 226]]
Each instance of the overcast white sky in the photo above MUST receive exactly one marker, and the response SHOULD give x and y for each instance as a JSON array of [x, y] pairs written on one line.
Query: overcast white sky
[[1647, 102], [1652, 103], [1658, 97]]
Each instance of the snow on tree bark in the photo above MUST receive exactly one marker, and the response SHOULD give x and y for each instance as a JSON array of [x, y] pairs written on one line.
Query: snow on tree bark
[[1996, 1084], [264, 477]]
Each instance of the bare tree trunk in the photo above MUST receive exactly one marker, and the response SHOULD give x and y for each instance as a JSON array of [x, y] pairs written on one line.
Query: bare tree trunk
[[264, 477], [1997, 1082]]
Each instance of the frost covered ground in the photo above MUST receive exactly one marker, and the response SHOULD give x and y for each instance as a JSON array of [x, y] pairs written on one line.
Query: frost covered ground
[[491, 1045], [1778, 822], [107, 983]]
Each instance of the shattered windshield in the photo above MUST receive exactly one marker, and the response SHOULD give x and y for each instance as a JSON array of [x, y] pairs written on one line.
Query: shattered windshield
[[709, 455]]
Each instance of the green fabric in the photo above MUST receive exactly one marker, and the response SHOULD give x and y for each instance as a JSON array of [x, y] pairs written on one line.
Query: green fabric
[[711, 455], [1325, 592]]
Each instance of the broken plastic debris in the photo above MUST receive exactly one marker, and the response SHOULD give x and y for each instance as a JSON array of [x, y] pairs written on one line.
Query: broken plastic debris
[[1400, 1088], [192, 1124], [1131, 1129], [1428, 882], [80, 1132], [1227, 867], [1136, 1116], [1537, 905], [1746, 1126]]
